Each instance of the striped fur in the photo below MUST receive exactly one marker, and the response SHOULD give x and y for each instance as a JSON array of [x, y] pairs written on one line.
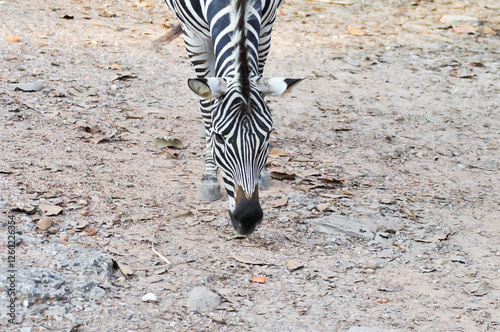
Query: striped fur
[[228, 42]]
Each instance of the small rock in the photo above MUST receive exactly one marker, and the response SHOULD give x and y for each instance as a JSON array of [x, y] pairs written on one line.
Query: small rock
[[218, 318], [44, 223], [64, 237], [150, 297], [456, 20], [202, 299], [82, 202]]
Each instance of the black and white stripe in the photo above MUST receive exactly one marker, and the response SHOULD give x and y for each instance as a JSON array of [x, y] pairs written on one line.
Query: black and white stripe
[[228, 42]]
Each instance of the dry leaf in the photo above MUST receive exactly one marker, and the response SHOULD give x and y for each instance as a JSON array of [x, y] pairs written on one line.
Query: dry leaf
[[246, 260], [478, 289], [464, 29], [355, 31], [50, 210], [280, 175], [124, 77], [278, 152], [323, 206], [116, 66], [134, 116], [489, 30], [280, 202], [389, 288], [12, 38], [142, 4], [29, 87], [382, 300], [259, 280], [168, 142], [125, 269], [293, 265], [44, 223]]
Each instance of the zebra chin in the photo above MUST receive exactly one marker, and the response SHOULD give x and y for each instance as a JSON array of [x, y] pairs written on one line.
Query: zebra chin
[[247, 214]]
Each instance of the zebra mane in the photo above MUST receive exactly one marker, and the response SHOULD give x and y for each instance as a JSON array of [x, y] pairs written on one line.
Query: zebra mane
[[241, 59]]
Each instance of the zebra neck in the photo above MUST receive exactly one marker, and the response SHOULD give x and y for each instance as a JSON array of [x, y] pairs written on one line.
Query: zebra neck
[[235, 29]]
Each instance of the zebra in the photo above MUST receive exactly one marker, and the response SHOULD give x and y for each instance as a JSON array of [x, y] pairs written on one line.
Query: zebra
[[228, 42]]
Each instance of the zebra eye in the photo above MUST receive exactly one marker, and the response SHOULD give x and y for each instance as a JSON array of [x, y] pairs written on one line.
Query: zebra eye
[[219, 138]]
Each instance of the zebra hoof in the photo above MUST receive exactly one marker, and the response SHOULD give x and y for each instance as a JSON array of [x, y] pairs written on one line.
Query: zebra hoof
[[265, 179], [208, 190]]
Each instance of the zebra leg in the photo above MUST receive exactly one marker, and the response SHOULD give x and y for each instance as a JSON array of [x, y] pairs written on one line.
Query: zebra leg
[[209, 187]]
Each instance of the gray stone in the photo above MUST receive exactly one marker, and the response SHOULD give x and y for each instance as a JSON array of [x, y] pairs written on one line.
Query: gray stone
[[149, 297], [457, 20], [334, 224], [202, 299]]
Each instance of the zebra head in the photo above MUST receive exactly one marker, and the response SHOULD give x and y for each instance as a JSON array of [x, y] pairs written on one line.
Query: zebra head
[[240, 140]]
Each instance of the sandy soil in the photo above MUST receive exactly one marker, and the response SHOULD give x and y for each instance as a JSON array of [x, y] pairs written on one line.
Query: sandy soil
[[396, 128]]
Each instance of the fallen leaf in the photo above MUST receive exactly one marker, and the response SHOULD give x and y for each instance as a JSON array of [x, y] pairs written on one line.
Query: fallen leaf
[[246, 260], [382, 300], [489, 30], [323, 207], [293, 265], [133, 130], [282, 175], [134, 116], [478, 289], [464, 29], [355, 31], [467, 76], [330, 180], [142, 4], [347, 192], [124, 77], [12, 38], [278, 152], [116, 66], [44, 223], [410, 213], [207, 218], [125, 269], [280, 202], [107, 15], [478, 64], [52, 166], [326, 108], [389, 288], [168, 142], [50, 210], [259, 280], [458, 259], [29, 87], [79, 224], [434, 239]]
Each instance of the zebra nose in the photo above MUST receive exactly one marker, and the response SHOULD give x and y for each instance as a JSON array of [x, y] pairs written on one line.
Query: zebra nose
[[247, 214]]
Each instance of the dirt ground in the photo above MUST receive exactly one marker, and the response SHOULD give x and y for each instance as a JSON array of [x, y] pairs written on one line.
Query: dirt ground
[[383, 210]]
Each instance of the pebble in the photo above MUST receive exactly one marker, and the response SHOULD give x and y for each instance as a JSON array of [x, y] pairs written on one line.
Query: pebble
[[202, 299], [150, 297]]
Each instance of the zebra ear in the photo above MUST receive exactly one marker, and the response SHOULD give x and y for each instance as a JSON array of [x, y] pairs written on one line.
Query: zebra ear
[[208, 88], [275, 86]]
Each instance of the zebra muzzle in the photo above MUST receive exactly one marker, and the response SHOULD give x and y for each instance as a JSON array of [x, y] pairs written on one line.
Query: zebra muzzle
[[247, 214]]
